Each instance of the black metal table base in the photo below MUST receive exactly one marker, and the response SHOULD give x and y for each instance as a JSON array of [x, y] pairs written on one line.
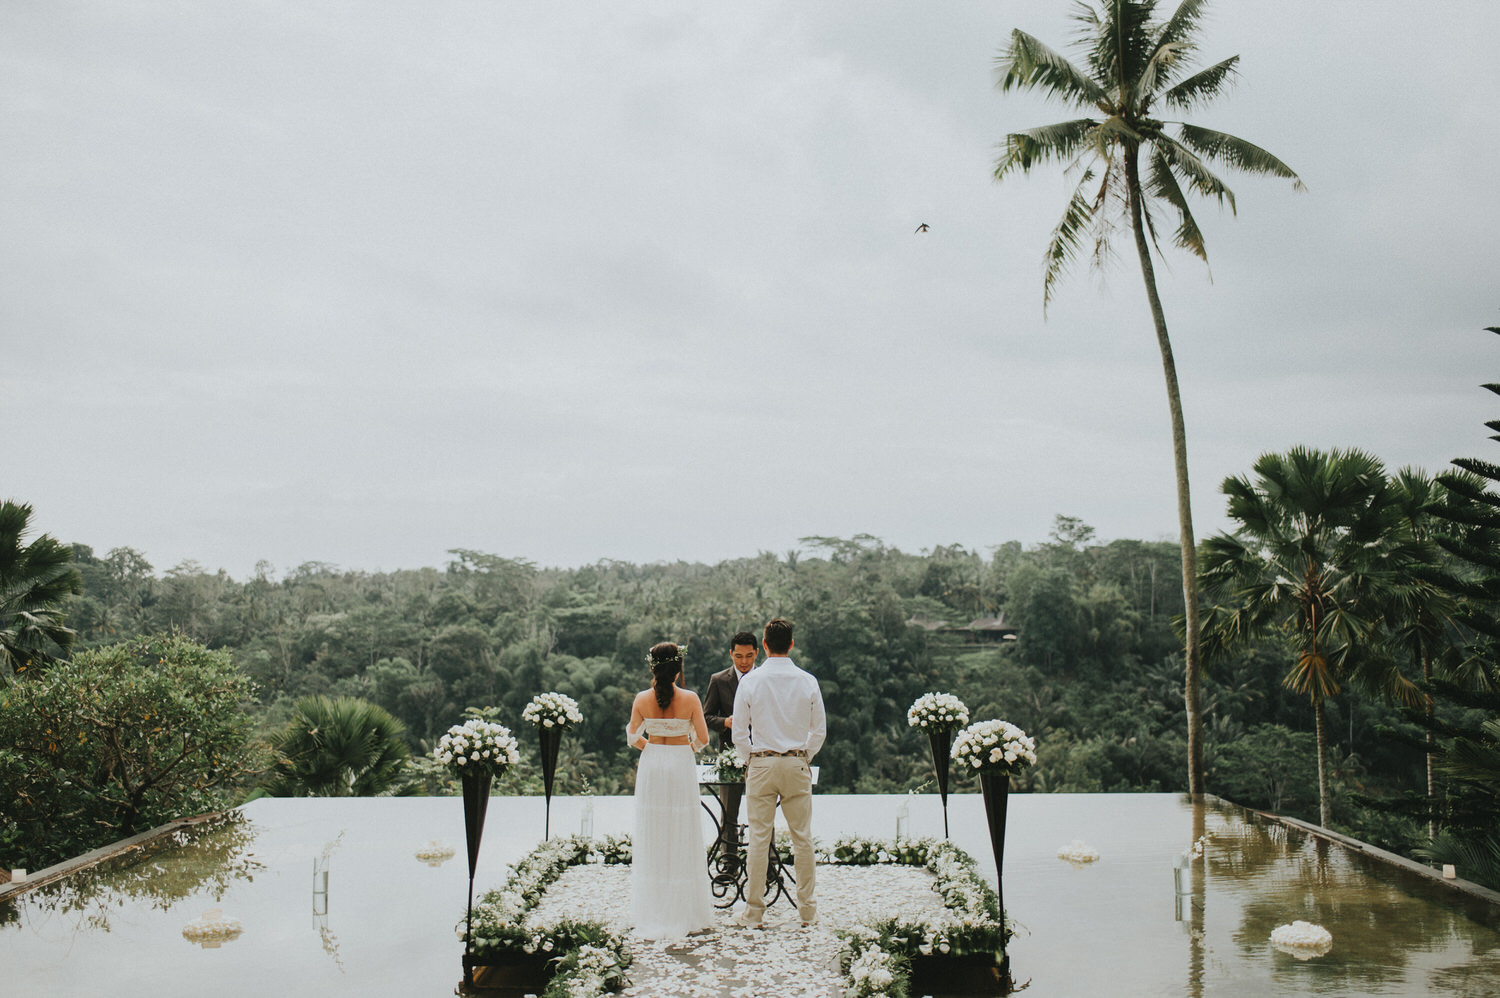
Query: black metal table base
[[727, 869]]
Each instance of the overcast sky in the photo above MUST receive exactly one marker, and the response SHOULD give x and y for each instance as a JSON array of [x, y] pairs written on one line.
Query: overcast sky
[[359, 283]]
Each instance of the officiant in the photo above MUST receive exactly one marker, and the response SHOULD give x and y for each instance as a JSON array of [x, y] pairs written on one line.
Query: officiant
[[718, 711]]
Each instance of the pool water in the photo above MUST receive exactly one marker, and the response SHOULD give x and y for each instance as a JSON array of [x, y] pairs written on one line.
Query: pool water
[[331, 899]]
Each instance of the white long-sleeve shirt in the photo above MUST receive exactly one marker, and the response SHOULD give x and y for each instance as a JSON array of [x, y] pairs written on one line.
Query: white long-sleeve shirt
[[778, 708]]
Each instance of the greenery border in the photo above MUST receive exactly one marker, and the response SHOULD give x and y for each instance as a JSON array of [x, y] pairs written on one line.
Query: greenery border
[[593, 959], [877, 955]]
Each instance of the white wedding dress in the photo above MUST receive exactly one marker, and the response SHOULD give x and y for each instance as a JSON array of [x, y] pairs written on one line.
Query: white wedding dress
[[669, 895]]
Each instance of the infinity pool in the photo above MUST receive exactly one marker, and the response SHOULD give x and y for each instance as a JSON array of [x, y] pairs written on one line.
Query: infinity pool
[[333, 900]]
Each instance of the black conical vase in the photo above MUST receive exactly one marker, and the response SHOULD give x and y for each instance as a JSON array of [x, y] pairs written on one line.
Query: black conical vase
[[995, 783], [551, 740], [941, 741], [476, 802]]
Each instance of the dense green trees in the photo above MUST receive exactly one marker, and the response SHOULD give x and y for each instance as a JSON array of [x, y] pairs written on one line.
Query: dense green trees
[[35, 580], [1135, 68], [491, 631], [117, 740], [1092, 666]]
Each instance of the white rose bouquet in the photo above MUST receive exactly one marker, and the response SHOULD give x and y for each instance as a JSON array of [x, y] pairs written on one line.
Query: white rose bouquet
[[552, 710], [994, 745], [937, 710], [477, 746], [728, 768]]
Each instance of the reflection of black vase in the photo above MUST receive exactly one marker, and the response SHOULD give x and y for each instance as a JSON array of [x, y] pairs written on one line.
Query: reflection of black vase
[[551, 739], [476, 802], [996, 786], [941, 740]]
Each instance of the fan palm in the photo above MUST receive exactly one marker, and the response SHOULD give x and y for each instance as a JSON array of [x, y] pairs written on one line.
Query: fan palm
[[1135, 68], [343, 747], [1319, 556], [35, 580]]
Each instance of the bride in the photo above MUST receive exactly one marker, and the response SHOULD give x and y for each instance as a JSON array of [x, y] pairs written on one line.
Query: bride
[[669, 894]]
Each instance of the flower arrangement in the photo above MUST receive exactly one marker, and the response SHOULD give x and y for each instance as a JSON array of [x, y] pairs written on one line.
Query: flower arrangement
[[500, 915], [937, 711], [877, 956], [874, 973], [588, 971], [592, 958], [728, 768], [995, 745], [1303, 940], [552, 710], [1078, 852], [434, 853], [477, 746], [213, 928]]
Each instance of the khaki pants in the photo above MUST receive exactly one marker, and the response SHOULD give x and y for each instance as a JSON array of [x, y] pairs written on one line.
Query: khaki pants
[[787, 780]]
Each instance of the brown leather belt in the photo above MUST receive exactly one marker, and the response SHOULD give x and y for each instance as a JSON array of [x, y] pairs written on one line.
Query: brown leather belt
[[796, 752]]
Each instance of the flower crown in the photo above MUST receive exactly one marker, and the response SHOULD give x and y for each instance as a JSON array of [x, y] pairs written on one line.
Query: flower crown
[[677, 657]]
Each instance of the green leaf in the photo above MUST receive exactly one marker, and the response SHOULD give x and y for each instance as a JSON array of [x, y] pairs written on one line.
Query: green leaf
[[1226, 148]]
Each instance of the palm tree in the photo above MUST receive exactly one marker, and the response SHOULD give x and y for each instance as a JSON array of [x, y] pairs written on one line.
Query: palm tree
[[35, 580], [1319, 556], [1425, 622], [343, 747], [1136, 67]]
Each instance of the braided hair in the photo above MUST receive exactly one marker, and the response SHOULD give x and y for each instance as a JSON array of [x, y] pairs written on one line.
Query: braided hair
[[666, 663]]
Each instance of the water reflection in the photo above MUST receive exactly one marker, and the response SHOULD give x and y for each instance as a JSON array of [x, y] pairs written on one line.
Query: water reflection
[[212, 930], [1112, 927], [1386, 938], [202, 860], [320, 901], [1198, 890]]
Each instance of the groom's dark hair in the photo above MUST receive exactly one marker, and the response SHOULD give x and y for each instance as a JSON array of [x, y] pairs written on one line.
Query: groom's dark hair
[[743, 638], [779, 636]]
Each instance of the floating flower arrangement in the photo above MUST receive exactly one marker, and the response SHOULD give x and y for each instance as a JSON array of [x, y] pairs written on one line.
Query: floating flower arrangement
[[434, 853], [212, 930], [1303, 940], [1078, 852]]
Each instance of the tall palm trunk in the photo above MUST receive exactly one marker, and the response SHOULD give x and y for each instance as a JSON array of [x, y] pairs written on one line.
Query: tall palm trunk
[[1431, 746], [1193, 680], [1320, 717]]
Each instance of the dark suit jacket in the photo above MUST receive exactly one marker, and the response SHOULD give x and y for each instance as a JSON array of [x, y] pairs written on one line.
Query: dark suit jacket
[[718, 703]]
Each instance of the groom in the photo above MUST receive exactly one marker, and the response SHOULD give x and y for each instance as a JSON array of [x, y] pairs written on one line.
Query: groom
[[778, 725]]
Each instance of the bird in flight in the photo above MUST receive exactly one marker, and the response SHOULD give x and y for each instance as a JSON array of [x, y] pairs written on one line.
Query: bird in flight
[[921, 228]]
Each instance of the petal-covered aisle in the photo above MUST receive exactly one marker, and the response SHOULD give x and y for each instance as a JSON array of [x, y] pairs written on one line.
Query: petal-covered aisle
[[784, 959]]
